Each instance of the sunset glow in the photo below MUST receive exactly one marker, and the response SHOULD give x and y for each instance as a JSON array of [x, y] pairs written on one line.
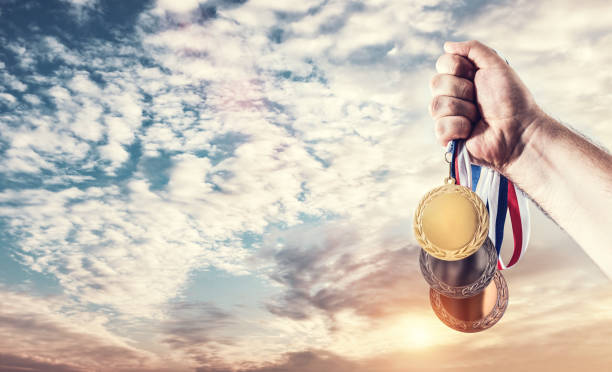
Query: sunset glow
[[419, 336], [229, 186]]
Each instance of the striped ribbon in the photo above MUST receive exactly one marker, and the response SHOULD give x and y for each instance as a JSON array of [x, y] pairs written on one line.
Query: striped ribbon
[[501, 197]]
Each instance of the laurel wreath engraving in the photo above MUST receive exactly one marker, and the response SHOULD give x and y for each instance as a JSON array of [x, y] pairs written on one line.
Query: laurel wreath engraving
[[425, 261], [479, 325], [481, 233]]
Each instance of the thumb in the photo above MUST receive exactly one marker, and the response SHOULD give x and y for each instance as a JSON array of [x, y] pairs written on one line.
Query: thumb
[[481, 55]]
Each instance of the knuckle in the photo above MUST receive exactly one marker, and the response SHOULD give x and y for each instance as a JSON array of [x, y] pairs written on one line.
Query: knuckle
[[440, 62], [478, 45], [453, 105], [454, 65], [436, 104], [435, 82], [462, 126], [466, 90], [458, 127], [448, 64], [448, 128], [432, 83], [433, 106], [473, 111]]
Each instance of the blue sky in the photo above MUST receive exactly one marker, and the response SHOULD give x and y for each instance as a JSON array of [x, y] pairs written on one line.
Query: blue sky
[[229, 185]]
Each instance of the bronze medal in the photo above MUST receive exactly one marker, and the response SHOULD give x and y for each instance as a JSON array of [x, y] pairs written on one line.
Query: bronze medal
[[451, 222], [476, 313], [462, 278]]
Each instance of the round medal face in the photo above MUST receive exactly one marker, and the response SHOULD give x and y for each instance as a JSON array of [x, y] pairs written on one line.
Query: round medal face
[[462, 278], [476, 313], [451, 222]]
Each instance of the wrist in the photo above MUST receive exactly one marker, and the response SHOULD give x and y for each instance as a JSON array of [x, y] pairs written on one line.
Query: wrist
[[529, 153]]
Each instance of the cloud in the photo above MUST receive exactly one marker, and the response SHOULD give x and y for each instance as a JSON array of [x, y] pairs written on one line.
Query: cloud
[[452, 357], [281, 140], [338, 271], [81, 2], [12, 82], [64, 136], [7, 99], [10, 363], [81, 10], [194, 329], [177, 6], [304, 361], [553, 315], [113, 251], [36, 333], [577, 44]]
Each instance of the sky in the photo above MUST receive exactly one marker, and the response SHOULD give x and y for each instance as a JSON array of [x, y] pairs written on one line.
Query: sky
[[228, 185]]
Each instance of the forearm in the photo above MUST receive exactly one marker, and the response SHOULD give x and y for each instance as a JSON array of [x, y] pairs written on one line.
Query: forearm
[[571, 180]]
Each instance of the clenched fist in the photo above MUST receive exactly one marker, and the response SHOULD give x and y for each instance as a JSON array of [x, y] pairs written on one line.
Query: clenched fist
[[477, 96]]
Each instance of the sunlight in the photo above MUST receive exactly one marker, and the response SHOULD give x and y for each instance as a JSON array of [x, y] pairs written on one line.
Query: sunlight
[[418, 335], [416, 332]]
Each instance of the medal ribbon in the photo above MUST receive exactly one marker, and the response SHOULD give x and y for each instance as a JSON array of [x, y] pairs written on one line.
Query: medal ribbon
[[500, 195]]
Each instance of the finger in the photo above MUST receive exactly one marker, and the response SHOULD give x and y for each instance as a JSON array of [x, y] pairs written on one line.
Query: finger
[[450, 106], [448, 128], [453, 64], [450, 85], [481, 55]]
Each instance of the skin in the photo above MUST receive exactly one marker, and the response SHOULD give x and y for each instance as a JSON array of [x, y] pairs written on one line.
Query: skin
[[478, 97]]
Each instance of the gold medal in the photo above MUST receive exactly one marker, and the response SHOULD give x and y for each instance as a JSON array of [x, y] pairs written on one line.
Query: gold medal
[[476, 313], [451, 222]]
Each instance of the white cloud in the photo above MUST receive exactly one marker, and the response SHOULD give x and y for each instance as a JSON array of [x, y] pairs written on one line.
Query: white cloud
[[8, 99], [58, 51], [271, 177], [80, 84], [177, 6], [159, 137], [119, 130], [86, 122], [279, 6], [24, 160], [81, 2], [85, 112], [32, 99], [59, 94], [546, 50], [115, 153], [12, 82], [188, 178], [26, 57], [40, 330], [327, 120]]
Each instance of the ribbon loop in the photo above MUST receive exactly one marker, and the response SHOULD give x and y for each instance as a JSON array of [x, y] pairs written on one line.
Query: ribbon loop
[[500, 195]]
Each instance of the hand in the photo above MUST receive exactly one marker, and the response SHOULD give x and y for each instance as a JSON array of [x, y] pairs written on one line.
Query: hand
[[478, 97]]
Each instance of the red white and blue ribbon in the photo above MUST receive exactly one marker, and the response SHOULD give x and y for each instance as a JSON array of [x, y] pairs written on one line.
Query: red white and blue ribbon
[[501, 197]]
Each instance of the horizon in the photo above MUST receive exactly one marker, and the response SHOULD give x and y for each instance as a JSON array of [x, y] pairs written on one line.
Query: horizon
[[221, 185]]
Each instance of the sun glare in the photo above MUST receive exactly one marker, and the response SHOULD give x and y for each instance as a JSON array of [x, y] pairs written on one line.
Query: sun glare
[[418, 336]]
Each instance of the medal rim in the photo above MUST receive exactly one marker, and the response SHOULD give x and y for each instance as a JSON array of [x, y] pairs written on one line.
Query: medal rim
[[480, 235], [463, 291], [501, 304]]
